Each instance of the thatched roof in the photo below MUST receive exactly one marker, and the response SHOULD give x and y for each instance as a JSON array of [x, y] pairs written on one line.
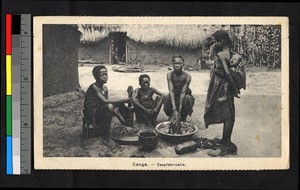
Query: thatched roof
[[173, 35]]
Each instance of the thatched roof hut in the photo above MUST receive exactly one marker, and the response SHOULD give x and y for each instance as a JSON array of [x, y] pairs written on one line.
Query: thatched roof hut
[[146, 44], [189, 36]]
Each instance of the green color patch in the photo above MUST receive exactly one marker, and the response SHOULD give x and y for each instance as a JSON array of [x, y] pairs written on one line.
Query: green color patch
[[8, 115]]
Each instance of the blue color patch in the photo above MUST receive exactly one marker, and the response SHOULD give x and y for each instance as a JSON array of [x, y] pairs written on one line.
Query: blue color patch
[[9, 164]]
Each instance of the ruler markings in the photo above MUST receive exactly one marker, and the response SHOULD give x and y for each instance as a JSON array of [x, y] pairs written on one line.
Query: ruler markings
[[26, 94], [16, 94]]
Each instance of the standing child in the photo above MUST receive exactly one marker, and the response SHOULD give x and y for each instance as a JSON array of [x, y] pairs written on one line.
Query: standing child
[[146, 108]]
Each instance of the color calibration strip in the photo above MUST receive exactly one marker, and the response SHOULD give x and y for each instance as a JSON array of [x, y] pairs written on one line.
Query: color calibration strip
[[9, 149], [18, 94]]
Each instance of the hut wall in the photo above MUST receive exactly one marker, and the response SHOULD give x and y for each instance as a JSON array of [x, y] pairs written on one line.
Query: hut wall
[[161, 55], [60, 59], [95, 51], [145, 54]]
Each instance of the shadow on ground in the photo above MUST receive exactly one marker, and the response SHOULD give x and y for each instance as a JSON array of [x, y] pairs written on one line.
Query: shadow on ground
[[257, 131]]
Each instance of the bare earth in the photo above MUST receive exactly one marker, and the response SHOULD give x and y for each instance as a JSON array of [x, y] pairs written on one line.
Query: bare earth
[[257, 131]]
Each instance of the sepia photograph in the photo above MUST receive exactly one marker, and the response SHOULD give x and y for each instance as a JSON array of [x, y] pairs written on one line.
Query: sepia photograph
[[161, 93]]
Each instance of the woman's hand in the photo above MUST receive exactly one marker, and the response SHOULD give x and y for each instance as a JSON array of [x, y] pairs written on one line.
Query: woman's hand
[[237, 93], [150, 111], [128, 100], [175, 113]]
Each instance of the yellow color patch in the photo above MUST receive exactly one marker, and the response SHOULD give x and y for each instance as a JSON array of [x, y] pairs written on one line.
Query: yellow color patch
[[8, 75]]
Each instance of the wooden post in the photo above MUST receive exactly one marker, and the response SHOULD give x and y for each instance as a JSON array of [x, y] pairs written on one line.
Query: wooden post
[[126, 52], [109, 56], [130, 106]]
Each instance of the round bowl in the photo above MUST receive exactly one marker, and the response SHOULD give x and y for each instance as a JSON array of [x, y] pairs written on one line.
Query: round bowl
[[148, 139], [175, 138]]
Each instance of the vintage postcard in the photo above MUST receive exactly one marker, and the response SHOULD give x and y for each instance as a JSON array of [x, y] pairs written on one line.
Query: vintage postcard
[[161, 93]]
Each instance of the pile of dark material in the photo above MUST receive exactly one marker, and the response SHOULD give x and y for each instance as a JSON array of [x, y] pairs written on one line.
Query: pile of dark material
[[183, 129], [124, 130], [175, 125]]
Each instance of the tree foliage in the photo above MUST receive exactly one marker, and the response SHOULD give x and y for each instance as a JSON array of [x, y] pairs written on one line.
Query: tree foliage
[[260, 44]]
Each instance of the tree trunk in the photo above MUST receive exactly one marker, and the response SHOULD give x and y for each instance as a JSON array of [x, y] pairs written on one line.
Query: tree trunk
[[60, 59]]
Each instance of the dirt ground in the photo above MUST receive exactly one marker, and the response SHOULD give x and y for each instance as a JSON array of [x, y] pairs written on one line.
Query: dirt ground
[[257, 130]]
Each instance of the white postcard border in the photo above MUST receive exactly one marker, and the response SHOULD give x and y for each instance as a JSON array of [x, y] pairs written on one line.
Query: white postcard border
[[180, 163]]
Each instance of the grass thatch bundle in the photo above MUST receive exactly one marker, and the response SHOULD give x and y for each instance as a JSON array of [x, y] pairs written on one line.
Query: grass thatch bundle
[[190, 36]]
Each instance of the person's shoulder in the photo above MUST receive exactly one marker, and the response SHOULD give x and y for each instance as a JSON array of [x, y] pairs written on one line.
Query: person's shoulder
[[169, 74], [137, 90], [223, 54], [90, 87], [105, 87], [91, 90], [152, 88], [187, 74]]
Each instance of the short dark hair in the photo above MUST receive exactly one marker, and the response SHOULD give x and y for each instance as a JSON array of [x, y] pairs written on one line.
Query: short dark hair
[[220, 35], [177, 56], [143, 76], [97, 69]]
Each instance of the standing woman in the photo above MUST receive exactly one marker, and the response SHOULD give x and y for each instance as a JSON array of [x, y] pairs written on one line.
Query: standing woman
[[217, 112]]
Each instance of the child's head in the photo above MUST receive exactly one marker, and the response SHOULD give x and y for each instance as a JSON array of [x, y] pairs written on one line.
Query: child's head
[[144, 81], [100, 73], [235, 59], [178, 62]]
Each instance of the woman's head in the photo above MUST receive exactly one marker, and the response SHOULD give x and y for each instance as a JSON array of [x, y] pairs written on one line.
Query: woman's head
[[221, 37], [100, 73]]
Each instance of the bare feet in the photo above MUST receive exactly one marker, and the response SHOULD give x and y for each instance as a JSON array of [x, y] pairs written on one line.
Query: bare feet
[[119, 116], [183, 118], [222, 99], [223, 150], [110, 143], [218, 141], [216, 153]]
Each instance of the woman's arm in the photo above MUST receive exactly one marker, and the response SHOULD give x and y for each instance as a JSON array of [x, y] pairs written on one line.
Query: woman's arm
[[157, 91], [171, 91], [184, 89], [107, 101]]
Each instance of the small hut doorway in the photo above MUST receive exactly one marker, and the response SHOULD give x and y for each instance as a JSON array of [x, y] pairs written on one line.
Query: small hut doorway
[[118, 48]]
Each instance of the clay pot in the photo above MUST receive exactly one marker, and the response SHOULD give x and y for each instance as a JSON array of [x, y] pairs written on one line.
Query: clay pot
[[148, 140]]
